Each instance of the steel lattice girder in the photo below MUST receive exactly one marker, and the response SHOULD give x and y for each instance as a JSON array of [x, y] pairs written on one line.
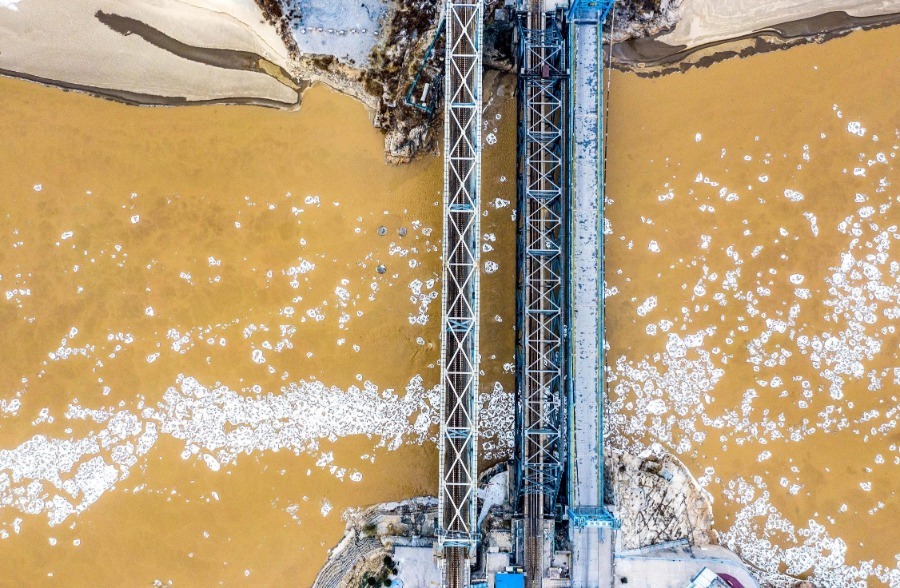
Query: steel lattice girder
[[542, 49], [459, 340], [542, 185]]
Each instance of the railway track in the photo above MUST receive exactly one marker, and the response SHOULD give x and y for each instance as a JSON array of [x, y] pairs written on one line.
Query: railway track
[[542, 191]]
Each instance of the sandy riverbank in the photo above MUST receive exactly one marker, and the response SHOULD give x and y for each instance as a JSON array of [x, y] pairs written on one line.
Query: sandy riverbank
[[149, 51], [206, 51], [707, 31], [177, 52]]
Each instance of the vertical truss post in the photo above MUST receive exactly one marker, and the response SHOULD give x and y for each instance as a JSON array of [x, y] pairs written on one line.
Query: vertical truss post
[[458, 457]]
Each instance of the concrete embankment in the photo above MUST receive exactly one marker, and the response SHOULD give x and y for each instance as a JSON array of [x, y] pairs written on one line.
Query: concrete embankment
[[666, 530]]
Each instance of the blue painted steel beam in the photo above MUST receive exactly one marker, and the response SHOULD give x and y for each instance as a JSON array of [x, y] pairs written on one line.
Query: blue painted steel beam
[[541, 208]]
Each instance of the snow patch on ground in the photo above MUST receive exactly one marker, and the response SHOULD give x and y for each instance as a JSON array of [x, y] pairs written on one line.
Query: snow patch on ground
[[346, 29]]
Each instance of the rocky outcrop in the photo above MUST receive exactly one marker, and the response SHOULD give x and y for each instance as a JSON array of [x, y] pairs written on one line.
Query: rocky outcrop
[[369, 539], [499, 32], [642, 18], [403, 51], [280, 15], [406, 49], [403, 144], [657, 500]]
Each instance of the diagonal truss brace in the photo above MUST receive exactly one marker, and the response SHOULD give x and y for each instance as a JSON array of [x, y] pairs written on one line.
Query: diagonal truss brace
[[458, 455]]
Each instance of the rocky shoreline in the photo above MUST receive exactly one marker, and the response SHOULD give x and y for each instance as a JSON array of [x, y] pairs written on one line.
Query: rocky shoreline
[[654, 495], [637, 29]]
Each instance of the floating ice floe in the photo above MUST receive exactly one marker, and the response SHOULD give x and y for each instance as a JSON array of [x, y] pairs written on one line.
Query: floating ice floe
[[793, 195], [61, 477], [421, 297], [808, 550], [856, 128], [646, 306]]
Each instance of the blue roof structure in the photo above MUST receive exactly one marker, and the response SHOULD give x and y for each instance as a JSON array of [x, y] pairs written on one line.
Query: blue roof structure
[[506, 580]]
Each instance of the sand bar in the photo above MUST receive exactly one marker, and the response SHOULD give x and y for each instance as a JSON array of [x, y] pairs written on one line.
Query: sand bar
[[706, 21], [708, 31], [76, 44]]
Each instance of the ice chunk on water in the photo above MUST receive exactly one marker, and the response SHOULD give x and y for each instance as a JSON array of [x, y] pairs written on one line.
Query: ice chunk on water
[[856, 128], [646, 306], [656, 406]]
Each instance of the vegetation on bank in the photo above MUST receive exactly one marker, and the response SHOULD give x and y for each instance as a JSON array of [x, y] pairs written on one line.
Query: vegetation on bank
[[382, 577]]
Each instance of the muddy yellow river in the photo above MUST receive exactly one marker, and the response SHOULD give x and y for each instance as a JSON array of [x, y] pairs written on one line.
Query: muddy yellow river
[[210, 349], [219, 324], [754, 296]]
